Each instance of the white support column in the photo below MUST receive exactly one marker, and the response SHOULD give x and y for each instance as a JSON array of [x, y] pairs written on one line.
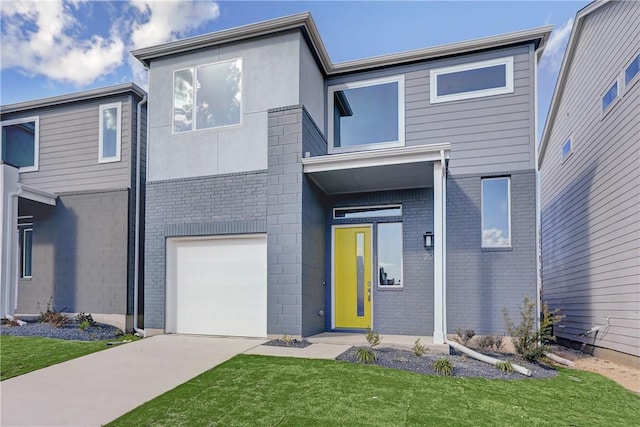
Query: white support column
[[439, 308], [8, 241]]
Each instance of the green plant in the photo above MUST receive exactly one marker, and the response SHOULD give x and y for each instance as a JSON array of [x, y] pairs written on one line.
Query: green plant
[[84, 317], [443, 366], [418, 348], [463, 336], [52, 316], [84, 325], [365, 355], [505, 366], [529, 340], [372, 338]]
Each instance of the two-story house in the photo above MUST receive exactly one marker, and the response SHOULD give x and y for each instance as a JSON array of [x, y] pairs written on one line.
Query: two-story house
[[72, 187], [288, 194], [590, 185]]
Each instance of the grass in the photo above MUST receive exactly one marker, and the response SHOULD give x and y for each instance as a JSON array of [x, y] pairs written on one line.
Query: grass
[[268, 391], [20, 355]]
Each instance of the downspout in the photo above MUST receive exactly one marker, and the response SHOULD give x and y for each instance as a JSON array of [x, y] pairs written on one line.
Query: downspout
[[136, 268], [444, 244], [10, 281], [536, 56]]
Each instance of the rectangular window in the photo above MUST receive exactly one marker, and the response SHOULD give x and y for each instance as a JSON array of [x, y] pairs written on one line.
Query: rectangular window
[[20, 143], [567, 149], [609, 96], [208, 94], [25, 229], [632, 70], [366, 115], [390, 254], [367, 212], [496, 212], [474, 80], [110, 129]]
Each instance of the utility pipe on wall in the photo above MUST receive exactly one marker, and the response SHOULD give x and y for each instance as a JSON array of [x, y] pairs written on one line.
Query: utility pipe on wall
[[136, 268]]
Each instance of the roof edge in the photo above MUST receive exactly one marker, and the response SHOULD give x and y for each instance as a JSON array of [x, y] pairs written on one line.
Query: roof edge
[[562, 75], [73, 97]]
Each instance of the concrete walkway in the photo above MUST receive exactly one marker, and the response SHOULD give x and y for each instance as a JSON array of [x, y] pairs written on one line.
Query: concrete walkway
[[96, 389]]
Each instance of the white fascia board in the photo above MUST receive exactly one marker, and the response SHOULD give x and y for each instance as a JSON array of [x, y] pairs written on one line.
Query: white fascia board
[[383, 157], [37, 195]]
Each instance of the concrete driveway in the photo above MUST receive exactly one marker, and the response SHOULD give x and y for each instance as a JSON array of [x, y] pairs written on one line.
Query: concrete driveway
[[96, 389]]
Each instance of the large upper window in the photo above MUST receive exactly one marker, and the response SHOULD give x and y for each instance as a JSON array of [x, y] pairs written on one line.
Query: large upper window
[[390, 254], [632, 70], [496, 212], [609, 96], [474, 80], [20, 143], [110, 130], [366, 115], [207, 96]]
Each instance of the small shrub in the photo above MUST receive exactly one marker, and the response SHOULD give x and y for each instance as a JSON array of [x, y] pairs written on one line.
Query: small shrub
[[505, 366], [287, 339], [463, 336], [418, 348], [372, 338], [443, 367], [83, 317], [52, 316], [12, 322], [529, 341], [498, 343], [489, 342], [365, 355], [84, 325]]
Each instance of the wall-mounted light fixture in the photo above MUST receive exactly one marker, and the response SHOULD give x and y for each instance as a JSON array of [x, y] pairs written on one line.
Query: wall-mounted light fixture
[[428, 240]]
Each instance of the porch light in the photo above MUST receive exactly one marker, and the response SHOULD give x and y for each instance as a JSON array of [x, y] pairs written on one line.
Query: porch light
[[428, 240]]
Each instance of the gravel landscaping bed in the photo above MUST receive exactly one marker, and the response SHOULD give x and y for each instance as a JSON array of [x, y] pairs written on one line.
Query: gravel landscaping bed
[[70, 331], [464, 366], [291, 343]]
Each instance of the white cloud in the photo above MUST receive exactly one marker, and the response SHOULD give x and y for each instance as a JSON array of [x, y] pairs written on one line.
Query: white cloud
[[556, 46], [494, 237], [38, 38]]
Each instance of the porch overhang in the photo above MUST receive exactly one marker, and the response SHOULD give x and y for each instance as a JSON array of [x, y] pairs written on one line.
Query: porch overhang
[[375, 170], [40, 196]]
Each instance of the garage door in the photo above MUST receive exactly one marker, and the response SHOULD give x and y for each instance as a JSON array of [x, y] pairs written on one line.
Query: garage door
[[217, 286]]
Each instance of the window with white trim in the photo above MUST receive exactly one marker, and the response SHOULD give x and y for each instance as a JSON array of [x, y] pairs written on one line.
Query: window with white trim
[[367, 212], [207, 96], [472, 80], [390, 254], [567, 149], [110, 129], [25, 232], [496, 212], [366, 115], [632, 70], [20, 143], [609, 96]]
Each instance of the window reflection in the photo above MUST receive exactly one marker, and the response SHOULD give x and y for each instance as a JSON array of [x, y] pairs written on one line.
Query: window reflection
[[495, 212], [472, 80], [18, 144], [390, 254]]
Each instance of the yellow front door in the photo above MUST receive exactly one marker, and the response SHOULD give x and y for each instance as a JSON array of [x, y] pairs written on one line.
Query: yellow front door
[[352, 277]]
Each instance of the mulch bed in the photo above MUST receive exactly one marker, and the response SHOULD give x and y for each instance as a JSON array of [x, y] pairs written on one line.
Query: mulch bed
[[70, 331]]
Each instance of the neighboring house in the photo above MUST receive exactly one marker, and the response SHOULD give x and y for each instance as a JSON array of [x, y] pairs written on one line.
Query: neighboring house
[[69, 187], [288, 194], [590, 184]]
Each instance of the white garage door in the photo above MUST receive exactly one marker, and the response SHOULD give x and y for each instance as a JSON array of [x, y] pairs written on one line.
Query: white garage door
[[217, 286]]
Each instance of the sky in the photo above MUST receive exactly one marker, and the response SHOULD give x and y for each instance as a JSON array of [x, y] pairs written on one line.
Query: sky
[[53, 47]]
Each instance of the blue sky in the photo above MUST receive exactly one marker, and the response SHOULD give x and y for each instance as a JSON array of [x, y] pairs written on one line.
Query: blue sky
[[55, 47]]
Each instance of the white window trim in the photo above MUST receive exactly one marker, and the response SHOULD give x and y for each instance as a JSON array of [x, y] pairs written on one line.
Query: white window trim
[[116, 158], [401, 284], [399, 79], [368, 207], [508, 178], [634, 79], [508, 88], [36, 140], [570, 153], [194, 70], [24, 252]]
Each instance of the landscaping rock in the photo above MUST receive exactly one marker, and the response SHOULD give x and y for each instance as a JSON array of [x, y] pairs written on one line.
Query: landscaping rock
[[291, 343], [70, 331]]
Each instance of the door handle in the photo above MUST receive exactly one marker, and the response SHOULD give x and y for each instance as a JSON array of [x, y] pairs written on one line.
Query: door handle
[[369, 294]]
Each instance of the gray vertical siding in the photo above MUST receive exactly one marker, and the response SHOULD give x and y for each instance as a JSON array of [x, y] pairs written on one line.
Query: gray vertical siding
[[590, 203], [69, 148]]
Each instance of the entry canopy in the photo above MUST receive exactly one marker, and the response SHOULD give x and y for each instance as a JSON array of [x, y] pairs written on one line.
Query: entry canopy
[[375, 170]]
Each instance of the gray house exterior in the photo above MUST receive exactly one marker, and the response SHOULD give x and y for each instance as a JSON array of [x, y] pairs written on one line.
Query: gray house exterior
[[590, 184], [70, 188], [288, 194]]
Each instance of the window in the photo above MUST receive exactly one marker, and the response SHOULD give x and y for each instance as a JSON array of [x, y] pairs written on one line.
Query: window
[[25, 229], [567, 149], [610, 96], [466, 81], [110, 133], [366, 115], [390, 254], [496, 212], [20, 143], [207, 96], [632, 70], [367, 212]]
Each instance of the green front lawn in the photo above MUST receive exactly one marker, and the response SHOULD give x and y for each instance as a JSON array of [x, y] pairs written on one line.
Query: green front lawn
[[20, 355], [268, 391]]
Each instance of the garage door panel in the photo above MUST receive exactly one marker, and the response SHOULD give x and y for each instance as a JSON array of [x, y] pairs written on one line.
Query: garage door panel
[[220, 286]]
